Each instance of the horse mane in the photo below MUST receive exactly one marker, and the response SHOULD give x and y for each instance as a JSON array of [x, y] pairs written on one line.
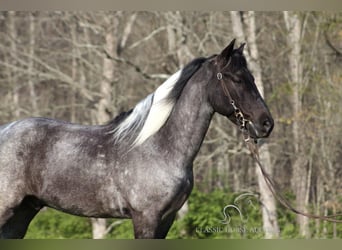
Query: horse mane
[[151, 113]]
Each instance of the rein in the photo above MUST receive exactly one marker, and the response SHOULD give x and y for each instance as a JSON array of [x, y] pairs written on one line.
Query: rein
[[253, 148]]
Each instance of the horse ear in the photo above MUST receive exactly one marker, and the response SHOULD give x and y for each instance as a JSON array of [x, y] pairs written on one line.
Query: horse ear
[[226, 53], [240, 49], [228, 50]]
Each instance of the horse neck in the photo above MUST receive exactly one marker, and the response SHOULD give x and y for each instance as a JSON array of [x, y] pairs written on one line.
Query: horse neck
[[187, 125]]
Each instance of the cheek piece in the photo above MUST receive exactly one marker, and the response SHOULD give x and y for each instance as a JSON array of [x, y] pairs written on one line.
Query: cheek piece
[[242, 121]]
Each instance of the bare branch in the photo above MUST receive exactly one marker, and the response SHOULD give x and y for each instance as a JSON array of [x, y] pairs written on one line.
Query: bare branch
[[145, 39], [126, 33], [114, 224], [331, 46], [135, 67]]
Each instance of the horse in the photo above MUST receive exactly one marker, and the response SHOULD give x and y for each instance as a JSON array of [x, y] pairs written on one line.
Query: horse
[[138, 165]]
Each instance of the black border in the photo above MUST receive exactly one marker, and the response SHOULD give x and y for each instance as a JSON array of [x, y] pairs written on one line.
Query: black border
[[162, 5], [169, 244]]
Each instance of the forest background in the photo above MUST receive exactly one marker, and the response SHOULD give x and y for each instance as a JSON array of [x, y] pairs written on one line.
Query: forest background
[[87, 67]]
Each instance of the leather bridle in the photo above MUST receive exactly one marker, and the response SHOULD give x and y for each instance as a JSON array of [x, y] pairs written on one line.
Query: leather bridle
[[240, 118]]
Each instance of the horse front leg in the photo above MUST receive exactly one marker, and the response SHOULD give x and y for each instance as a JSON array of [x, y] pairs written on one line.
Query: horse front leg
[[151, 225], [145, 225], [165, 225]]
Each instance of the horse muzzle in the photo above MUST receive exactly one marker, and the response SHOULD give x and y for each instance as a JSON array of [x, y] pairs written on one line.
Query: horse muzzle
[[260, 129]]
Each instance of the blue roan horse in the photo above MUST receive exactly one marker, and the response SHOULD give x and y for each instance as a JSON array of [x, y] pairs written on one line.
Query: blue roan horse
[[137, 166]]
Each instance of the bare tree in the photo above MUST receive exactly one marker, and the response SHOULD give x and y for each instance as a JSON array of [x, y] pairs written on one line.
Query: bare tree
[[300, 174], [12, 31], [33, 95], [269, 214]]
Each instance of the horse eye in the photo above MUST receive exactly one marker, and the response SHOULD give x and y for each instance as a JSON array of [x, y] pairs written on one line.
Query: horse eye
[[233, 77], [237, 80]]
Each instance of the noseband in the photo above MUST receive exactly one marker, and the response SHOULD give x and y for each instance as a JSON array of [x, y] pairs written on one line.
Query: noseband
[[237, 112]]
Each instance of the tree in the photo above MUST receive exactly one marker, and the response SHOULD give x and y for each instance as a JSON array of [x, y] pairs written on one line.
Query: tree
[[269, 214], [12, 30], [300, 171]]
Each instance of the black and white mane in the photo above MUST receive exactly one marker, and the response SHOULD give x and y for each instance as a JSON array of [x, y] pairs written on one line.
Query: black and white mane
[[151, 113]]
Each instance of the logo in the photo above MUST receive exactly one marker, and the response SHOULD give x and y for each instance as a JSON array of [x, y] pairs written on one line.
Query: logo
[[238, 210], [239, 205]]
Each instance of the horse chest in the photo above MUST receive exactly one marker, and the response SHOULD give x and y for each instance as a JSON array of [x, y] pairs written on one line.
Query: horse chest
[[180, 195]]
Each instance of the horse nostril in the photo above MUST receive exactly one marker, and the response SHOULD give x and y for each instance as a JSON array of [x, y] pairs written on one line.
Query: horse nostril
[[267, 125]]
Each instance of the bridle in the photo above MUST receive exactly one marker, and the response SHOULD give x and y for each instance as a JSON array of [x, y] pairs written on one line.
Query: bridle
[[237, 112]]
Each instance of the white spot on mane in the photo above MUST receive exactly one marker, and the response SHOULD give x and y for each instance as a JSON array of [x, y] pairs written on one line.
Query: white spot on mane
[[149, 115], [160, 109], [134, 121]]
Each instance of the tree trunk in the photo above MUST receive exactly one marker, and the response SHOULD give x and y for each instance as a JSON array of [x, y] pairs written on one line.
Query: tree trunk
[[73, 72], [104, 105], [12, 60], [177, 38], [99, 228], [300, 178], [32, 88], [269, 213]]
